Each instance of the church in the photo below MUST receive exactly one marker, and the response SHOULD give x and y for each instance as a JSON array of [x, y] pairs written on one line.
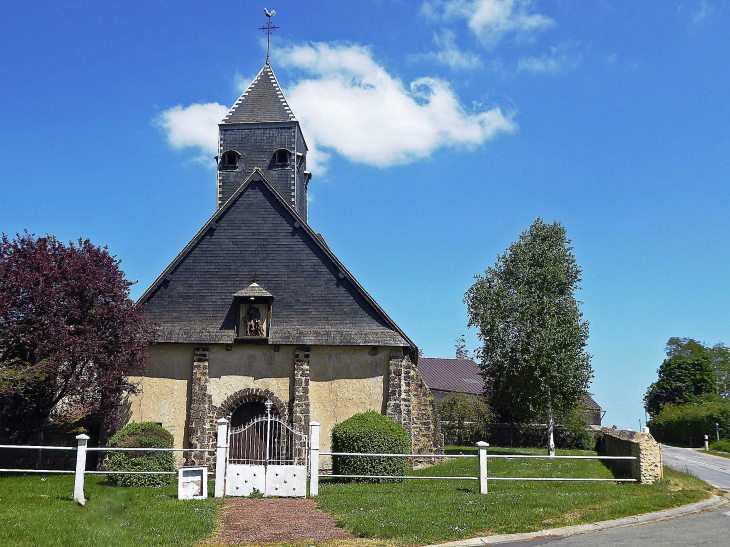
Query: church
[[257, 308]]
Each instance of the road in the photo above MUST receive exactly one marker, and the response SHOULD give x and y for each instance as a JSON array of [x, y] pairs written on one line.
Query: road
[[711, 469], [708, 528]]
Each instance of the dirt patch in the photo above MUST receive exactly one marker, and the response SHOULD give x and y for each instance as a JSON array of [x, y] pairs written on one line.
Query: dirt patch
[[275, 521]]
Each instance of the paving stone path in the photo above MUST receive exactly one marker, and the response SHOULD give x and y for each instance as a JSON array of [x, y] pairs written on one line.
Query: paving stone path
[[274, 521]]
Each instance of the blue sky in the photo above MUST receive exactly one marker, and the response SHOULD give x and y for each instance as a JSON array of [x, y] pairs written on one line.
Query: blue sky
[[458, 122]]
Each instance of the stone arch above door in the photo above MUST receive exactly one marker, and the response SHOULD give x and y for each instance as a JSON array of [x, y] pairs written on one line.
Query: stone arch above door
[[247, 395]]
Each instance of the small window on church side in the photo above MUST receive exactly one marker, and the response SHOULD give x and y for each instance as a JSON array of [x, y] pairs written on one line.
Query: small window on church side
[[229, 160], [282, 158]]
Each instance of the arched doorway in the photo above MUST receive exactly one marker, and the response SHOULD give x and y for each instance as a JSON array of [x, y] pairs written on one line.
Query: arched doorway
[[245, 413]]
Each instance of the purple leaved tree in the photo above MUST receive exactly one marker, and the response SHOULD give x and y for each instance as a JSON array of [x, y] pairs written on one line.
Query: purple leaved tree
[[69, 333]]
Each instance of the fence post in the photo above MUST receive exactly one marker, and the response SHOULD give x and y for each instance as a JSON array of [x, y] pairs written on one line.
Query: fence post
[[482, 467], [313, 459], [82, 441], [221, 450]]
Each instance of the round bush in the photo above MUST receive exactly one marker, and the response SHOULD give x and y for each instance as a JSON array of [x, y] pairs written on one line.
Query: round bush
[[141, 435], [370, 432]]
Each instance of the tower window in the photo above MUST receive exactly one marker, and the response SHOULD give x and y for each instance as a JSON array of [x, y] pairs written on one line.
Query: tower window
[[229, 160], [282, 157]]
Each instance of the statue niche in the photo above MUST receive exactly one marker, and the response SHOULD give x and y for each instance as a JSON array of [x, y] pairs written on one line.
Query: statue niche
[[254, 316], [254, 326]]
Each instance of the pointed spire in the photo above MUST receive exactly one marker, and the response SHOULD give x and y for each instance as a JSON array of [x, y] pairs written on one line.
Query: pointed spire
[[263, 101]]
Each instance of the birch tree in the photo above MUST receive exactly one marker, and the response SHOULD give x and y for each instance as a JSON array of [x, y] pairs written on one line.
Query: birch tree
[[531, 328]]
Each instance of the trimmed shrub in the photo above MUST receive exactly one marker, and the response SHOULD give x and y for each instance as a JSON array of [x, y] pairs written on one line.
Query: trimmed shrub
[[141, 435], [675, 424], [370, 432]]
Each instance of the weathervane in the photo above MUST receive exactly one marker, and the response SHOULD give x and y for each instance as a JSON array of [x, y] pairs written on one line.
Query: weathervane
[[268, 29]]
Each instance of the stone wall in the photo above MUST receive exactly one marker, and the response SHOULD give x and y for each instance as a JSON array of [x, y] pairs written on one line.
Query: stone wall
[[426, 437], [411, 404], [618, 442]]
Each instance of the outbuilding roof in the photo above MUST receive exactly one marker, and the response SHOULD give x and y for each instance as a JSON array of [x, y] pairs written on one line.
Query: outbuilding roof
[[463, 376], [460, 375]]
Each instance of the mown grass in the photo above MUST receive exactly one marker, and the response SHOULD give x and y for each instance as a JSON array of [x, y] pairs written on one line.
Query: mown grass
[[39, 511], [422, 511]]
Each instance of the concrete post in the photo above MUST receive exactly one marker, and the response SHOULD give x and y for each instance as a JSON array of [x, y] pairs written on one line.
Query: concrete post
[[221, 453], [707, 443], [313, 459], [482, 467], [83, 441]]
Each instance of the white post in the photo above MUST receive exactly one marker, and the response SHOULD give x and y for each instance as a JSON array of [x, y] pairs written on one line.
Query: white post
[[482, 467], [313, 459], [82, 440], [707, 443], [221, 451]]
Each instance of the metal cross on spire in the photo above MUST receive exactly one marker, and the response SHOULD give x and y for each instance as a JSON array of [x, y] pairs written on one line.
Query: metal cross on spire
[[268, 29]]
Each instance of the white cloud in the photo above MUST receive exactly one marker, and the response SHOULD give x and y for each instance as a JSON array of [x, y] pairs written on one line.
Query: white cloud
[[561, 58], [194, 126], [350, 104], [490, 20], [449, 54]]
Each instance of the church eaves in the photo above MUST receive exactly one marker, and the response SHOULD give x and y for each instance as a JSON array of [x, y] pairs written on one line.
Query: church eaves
[[262, 102]]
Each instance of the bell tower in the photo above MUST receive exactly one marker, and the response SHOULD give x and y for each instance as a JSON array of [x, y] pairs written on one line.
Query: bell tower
[[260, 130]]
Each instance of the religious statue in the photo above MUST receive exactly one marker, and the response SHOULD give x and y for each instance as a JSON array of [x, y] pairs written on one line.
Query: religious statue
[[254, 326]]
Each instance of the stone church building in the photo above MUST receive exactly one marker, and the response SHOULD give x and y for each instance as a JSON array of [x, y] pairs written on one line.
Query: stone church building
[[257, 308]]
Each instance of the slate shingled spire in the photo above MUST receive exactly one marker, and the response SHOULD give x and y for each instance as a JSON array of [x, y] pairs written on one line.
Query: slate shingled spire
[[263, 101]]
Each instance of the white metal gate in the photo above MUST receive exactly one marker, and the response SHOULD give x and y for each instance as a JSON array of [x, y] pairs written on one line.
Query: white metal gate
[[268, 455]]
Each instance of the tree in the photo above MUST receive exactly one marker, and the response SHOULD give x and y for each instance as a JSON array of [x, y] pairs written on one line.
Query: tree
[[531, 327], [69, 332], [461, 351], [464, 416], [690, 371]]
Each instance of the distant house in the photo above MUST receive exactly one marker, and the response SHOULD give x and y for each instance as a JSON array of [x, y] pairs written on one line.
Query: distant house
[[446, 376]]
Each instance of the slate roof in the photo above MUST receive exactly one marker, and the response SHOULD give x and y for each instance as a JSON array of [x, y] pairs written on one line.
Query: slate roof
[[462, 376], [256, 234], [263, 101], [590, 404], [254, 289]]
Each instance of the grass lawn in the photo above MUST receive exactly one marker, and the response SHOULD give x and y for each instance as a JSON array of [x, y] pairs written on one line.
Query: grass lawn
[[425, 511], [38, 511], [720, 453]]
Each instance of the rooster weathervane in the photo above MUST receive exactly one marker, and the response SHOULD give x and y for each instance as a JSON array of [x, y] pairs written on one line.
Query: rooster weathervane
[[268, 29]]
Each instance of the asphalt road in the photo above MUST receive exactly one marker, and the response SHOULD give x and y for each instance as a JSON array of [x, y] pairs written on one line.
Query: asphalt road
[[711, 469], [708, 528]]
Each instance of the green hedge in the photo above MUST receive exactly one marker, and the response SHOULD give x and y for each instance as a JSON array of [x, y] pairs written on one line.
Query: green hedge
[[374, 433], [141, 435], [677, 423], [720, 446]]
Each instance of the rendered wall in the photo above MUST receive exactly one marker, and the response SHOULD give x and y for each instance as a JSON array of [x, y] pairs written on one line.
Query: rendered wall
[[163, 395], [250, 367], [345, 380]]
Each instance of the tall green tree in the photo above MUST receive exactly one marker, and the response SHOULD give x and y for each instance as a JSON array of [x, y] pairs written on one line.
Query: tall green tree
[[690, 371], [532, 330]]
